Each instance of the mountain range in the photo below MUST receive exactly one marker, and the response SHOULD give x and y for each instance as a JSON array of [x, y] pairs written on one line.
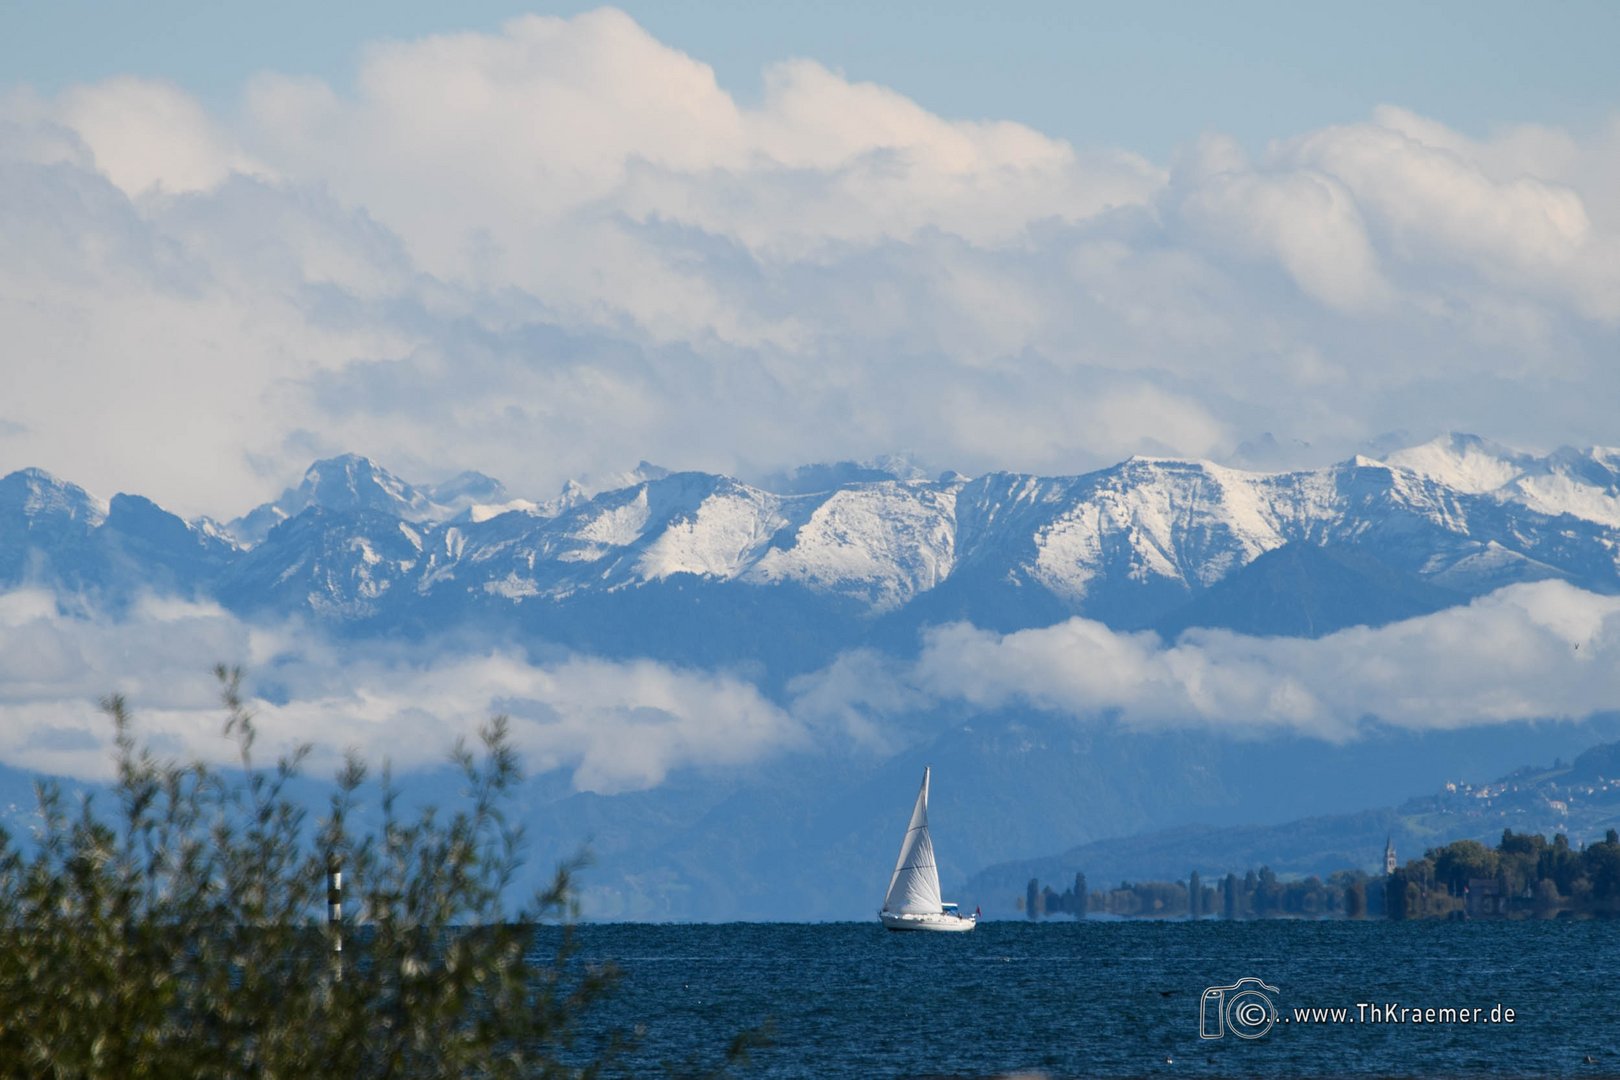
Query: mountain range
[[851, 554], [778, 579]]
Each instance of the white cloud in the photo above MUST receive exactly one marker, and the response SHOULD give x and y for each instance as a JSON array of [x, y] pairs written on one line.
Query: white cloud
[[567, 118], [562, 247], [1301, 218], [615, 725], [1541, 651], [584, 129], [150, 137], [1445, 199]]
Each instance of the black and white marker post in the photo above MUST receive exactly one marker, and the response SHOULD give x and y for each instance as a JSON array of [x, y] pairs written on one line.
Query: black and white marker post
[[334, 912]]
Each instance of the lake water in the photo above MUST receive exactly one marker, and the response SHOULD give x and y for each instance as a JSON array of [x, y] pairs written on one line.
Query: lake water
[[1068, 999]]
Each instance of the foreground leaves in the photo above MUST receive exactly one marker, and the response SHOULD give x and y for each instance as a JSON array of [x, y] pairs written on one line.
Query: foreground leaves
[[184, 935]]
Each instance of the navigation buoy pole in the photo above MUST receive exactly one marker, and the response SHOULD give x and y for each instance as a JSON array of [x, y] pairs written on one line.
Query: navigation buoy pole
[[334, 912]]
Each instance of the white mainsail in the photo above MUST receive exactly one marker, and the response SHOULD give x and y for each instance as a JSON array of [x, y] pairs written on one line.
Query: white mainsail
[[914, 888]]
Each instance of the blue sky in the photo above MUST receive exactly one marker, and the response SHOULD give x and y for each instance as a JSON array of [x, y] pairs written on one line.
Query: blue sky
[[744, 237], [1148, 76]]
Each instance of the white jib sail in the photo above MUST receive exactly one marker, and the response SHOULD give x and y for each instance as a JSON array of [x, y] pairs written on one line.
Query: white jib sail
[[914, 888]]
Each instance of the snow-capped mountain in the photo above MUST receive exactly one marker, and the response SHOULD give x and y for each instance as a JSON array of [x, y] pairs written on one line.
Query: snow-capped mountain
[[33, 499], [1584, 484], [353, 484], [56, 533], [1130, 545]]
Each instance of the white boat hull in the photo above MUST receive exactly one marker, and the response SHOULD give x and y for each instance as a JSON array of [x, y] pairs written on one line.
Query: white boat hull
[[940, 923]]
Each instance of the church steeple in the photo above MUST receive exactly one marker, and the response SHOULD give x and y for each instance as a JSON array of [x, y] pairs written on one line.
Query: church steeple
[[1389, 854]]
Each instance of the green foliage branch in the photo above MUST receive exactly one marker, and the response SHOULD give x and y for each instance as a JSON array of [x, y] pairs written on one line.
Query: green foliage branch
[[184, 934]]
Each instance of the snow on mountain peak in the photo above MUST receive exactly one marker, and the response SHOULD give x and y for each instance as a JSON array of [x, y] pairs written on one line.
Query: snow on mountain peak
[[618, 523], [856, 531], [1465, 463], [1584, 484], [1158, 518], [36, 492], [880, 542], [725, 533], [352, 482]]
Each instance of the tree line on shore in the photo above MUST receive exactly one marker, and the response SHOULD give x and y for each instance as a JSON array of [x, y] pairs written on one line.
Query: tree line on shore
[[1525, 876]]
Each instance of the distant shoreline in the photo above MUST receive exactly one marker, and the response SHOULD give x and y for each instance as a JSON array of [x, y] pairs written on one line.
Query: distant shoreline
[[1525, 877]]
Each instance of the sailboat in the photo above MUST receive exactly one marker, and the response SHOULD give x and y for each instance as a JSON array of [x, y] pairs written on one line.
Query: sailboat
[[913, 901]]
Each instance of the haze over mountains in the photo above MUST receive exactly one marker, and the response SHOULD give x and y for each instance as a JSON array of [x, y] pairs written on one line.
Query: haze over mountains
[[796, 651]]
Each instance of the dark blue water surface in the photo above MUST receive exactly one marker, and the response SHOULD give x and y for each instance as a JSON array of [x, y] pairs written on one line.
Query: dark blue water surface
[[1068, 999]]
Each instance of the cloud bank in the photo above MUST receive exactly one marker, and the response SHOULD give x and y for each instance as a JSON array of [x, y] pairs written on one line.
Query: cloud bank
[[1539, 651], [561, 247], [614, 726]]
